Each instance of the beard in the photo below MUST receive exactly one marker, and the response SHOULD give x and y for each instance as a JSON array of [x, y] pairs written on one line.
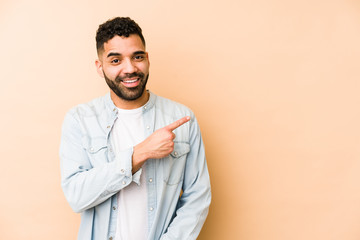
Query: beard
[[127, 94]]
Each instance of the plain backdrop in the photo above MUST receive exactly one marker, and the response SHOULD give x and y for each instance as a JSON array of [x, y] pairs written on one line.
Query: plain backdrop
[[274, 85]]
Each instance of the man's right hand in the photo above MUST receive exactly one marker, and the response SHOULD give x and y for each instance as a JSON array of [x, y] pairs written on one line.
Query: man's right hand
[[158, 145]]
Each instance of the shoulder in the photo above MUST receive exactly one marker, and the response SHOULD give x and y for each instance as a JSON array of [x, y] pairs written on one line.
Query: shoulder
[[92, 108]]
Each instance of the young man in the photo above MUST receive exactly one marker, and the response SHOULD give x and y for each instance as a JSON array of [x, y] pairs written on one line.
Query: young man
[[133, 163]]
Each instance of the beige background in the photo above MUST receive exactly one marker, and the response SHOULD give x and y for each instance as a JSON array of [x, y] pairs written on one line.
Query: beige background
[[274, 84]]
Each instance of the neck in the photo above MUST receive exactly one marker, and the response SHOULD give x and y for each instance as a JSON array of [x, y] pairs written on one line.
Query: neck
[[124, 104]]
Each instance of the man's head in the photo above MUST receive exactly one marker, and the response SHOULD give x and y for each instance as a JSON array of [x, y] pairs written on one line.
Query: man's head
[[123, 61]]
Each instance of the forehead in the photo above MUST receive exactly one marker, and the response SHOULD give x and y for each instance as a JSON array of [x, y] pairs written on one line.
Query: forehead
[[124, 45]]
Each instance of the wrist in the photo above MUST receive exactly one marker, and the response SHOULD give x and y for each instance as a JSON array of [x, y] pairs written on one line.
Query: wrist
[[139, 156]]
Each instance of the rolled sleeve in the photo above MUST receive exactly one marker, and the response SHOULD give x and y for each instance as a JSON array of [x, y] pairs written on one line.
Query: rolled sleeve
[[84, 184]]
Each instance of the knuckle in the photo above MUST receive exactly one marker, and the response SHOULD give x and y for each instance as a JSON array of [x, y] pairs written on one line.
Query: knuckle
[[170, 136]]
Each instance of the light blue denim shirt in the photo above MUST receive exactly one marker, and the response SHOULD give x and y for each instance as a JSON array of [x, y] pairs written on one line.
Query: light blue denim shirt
[[92, 175]]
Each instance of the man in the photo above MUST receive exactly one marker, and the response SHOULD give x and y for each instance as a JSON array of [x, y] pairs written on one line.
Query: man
[[133, 163]]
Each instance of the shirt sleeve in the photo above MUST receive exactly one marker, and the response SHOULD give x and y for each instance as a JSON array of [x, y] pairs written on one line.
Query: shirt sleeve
[[84, 185], [193, 206]]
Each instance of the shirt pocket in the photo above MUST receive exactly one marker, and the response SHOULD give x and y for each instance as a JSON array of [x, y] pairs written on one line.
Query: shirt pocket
[[174, 164], [96, 149]]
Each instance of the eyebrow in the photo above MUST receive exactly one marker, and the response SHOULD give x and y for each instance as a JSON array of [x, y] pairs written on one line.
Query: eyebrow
[[113, 54], [119, 54], [139, 52]]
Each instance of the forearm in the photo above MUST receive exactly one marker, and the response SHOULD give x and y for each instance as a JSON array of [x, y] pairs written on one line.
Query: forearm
[[87, 187], [139, 157], [90, 175]]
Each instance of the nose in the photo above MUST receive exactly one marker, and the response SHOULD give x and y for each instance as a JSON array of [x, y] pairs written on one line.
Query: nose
[[129, 66]]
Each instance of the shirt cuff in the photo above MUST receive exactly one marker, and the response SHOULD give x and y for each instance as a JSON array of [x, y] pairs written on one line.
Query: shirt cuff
[[124, 162], [136, 176]]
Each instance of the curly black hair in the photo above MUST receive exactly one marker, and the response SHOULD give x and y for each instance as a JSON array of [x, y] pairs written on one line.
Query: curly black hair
[[121, 26]]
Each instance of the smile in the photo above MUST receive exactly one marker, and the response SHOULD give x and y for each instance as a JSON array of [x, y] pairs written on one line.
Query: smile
[[130, 81]]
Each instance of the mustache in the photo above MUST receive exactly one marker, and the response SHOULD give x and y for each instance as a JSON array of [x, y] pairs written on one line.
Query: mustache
[[140, 75]]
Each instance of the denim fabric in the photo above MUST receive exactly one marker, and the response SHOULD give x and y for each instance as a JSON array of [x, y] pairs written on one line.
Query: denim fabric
[[178, 186]]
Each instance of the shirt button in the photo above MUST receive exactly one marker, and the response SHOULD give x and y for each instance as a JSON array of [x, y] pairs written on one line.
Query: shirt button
[[122, 171], [123, 182], [145, 107], [114, 109], [92, 149], [151, 209], [148, 127], [114, 208], [108, 126], [110, 238], [150, 179], [175, 153]]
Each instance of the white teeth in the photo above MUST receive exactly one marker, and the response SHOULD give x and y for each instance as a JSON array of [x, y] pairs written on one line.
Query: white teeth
[[131, 81]]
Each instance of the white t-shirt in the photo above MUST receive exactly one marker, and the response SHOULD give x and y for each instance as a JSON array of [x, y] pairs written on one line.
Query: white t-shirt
[[127, 132]]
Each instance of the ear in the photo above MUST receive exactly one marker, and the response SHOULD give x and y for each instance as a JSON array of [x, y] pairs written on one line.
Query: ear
[[147, 57], [99, 68]]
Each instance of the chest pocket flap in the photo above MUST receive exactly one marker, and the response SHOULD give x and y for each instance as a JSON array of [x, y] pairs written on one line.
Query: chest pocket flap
[[180, 149], [96, 149], [174, 164]]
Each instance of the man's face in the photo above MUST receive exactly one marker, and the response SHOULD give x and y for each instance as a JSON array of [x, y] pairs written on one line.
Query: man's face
[[125, 66]]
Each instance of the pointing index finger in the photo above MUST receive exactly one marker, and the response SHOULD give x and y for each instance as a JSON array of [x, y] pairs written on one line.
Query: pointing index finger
[[177, 123]]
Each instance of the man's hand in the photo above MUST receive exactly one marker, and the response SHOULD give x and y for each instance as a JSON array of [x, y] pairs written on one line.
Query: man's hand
[[158, 145]]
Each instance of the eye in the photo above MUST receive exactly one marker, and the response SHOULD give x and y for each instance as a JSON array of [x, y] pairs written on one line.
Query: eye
[[115, 61], [139, 57]]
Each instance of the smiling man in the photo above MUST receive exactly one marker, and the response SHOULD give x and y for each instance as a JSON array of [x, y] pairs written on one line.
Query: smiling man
[[133, 163]]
